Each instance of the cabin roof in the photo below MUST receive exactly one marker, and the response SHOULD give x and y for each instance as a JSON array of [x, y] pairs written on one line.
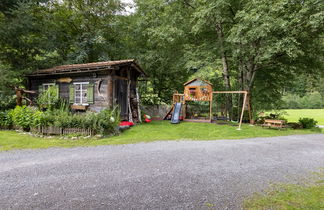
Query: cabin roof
[[88, 67], [187, 83]]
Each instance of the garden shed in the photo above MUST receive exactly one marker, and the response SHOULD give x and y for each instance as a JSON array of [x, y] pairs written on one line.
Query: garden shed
[[94, 86]]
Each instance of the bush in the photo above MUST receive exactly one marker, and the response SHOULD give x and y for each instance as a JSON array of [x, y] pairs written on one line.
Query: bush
[[26, 117], [37, 119], [5, 119], [7, 101], [22, 116], [104, 122], [307, 123], [49, 99]]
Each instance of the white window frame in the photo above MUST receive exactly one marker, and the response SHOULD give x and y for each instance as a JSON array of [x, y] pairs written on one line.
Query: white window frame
[[81, 102], [48, 85]]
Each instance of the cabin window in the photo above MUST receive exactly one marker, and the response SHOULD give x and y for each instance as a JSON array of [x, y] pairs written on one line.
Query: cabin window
[[80, 93], [51, 95], [45, 86], [204, 90], [192, 91]]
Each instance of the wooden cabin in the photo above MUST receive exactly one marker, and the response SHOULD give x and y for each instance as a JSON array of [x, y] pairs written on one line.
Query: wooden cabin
[[94, 86], [197, 90]]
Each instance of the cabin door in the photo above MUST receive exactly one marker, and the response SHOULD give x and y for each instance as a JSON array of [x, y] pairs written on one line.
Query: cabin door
[[121, 93]]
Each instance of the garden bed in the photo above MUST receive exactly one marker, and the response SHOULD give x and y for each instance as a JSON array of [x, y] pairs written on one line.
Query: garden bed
[[60, 121]]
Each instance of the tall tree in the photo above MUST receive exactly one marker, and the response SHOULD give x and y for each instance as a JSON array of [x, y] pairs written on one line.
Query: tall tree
[[276, 38]]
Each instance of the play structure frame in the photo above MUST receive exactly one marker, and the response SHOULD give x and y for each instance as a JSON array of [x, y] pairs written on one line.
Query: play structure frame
[[230, 92], [181, 98]]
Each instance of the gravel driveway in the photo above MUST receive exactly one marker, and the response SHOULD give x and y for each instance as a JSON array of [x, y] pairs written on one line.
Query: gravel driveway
[[159, 175]]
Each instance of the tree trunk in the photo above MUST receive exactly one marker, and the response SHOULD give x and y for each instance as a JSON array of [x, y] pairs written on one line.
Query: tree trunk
[[226, 76], [248, 71]]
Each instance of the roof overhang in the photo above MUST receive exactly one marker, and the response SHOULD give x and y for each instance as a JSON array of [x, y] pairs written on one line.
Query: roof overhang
[[88, 68]]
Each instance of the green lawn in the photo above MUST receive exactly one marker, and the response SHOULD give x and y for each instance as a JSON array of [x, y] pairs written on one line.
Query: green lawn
[[157, 130], [293, 115], [307, 196]]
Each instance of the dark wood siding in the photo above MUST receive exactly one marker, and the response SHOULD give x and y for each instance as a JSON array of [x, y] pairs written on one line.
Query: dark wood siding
[[100, 81], [64, 88]]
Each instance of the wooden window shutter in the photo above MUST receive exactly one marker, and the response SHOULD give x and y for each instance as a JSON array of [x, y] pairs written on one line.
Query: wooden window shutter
[[71, 97], [90, 93]]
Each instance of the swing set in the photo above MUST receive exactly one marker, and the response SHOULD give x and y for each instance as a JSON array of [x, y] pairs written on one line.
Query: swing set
[[201, 91]]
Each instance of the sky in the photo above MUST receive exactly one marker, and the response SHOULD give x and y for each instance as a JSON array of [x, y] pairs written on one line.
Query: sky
[[129, 9]]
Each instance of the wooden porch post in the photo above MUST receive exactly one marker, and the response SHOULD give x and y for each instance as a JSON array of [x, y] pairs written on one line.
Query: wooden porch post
[[210, 107], [129, 81], [242, 114], [110, 88]]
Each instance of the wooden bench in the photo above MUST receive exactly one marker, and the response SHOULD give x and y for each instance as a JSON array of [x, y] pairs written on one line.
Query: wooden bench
[[274, 123]]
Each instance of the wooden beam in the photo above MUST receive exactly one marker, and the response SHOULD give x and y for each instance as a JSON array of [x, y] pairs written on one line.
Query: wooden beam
[[242, 114], [219, 92], [130, 114], [119, 77], [138, 106], [110, 88], [210, 107]]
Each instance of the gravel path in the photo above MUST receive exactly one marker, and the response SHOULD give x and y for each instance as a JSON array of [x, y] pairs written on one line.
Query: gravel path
[[158, 175]]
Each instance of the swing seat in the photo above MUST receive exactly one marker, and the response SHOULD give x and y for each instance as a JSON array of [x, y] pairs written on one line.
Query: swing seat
[[224, 118]]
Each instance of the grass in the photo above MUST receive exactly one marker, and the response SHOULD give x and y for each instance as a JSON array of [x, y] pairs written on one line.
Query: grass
[[290, 196], [157, 130], [293, 115]]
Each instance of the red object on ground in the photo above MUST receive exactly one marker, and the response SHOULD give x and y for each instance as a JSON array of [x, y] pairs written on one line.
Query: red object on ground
[[147, 120], [181, 117], [126, 123]]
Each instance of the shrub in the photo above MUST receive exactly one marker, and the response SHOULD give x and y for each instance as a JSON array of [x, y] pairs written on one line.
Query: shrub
[[106, 121], [22, 116], [7, 101], [49, 99], [5, 119], [37, 119], [308, 123], [103, 122]]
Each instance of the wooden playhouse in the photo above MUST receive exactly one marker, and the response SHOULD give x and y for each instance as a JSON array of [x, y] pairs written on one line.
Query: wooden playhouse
[[199, 90]]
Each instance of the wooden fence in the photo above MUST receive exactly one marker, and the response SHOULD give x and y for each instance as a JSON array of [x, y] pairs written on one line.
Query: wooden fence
[[52, 130]]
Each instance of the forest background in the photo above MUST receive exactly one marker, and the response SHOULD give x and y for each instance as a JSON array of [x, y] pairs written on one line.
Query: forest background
[[273, 49]]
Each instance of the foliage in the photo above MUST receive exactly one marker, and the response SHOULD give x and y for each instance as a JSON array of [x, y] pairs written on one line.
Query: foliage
[[104, 122], [267, 47], [22, 116], [308, 123], [310, 101], [49, 99], [6, 119], [7, 101]]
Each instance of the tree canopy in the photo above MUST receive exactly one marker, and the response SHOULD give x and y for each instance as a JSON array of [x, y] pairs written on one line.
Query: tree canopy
[[262, 46]]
